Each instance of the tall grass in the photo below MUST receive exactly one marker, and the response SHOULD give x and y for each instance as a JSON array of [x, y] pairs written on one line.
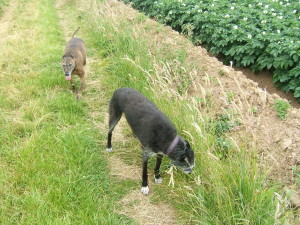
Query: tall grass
[[220, 191]]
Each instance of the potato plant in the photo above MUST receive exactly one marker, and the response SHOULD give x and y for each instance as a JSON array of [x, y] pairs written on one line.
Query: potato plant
[[261, 35]]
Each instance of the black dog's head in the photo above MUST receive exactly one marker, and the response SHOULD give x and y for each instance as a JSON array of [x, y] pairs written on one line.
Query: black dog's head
[[183, 156]]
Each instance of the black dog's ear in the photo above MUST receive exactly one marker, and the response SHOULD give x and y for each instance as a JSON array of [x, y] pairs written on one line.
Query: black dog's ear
[[183, 157], [187, 146]]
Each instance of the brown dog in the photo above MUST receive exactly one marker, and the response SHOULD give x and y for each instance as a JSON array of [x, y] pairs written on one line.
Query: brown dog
[[73, 62]]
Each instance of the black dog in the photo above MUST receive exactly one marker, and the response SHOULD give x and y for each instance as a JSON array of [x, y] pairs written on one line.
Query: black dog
[[153, 129]]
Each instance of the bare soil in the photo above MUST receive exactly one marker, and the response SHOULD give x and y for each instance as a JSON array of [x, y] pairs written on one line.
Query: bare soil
[[140, 207], [264, 81]]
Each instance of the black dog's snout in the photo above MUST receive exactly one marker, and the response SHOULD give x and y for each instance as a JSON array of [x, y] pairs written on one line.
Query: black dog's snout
[[67, 74], [188, 171]]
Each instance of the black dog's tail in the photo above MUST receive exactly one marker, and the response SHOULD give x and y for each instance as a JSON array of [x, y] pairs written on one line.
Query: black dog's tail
[[75, 32]]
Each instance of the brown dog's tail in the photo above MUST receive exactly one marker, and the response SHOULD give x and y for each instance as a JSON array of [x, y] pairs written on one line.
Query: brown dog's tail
[[75, 32]]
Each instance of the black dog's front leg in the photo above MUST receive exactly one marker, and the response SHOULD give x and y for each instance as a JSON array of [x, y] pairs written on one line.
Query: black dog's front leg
[[157, 176], [145, 188]]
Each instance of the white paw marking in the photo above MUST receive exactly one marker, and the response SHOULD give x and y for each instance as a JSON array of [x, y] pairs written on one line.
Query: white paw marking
[[108, 149], [145, 190], [159, 180]]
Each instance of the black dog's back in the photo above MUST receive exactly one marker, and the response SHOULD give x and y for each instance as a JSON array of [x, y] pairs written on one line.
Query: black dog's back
[[147, 122]]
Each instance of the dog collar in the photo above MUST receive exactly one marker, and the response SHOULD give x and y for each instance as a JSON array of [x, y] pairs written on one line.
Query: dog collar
[[172, 145]]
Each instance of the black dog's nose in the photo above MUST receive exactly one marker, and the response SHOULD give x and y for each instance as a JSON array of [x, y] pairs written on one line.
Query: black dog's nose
[[67, 74]]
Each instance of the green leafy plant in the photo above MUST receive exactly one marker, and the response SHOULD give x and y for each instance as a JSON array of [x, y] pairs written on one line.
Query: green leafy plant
[[221, 125], [224, 123], [281, 107], [253, 110], [259, 35], [223, 145], [296, 172]]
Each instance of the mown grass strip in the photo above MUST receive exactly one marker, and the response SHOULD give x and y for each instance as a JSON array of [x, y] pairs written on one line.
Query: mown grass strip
[[52, 171]]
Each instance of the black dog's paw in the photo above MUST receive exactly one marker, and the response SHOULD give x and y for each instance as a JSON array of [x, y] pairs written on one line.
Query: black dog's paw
[[158, 180], [145, 190], [108, 149]]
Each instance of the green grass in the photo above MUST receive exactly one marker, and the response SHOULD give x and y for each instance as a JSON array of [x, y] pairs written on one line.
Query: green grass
[[52, 167], [3, 4]]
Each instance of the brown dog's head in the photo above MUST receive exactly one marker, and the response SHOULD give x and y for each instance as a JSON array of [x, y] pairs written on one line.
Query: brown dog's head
[[68, 64]]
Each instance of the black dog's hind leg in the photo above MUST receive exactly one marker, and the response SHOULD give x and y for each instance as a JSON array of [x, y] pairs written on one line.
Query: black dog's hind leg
[[114, 117], [157, 176], [145, 188]]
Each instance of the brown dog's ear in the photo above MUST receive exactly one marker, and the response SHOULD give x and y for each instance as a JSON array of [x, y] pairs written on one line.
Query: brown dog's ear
[[69, 55]]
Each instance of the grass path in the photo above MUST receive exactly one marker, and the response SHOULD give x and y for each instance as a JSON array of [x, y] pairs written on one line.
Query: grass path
[[53, 168], [52, 171]]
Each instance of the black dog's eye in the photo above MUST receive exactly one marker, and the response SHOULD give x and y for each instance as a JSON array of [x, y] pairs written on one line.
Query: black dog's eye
[[182, 159]]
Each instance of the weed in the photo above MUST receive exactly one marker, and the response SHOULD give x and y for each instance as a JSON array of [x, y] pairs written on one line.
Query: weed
[[253, 110], [223, 145], [281, 107], [187, 29], [223, 124], [141, 18], [230, 96], [221, 73], [296, 172]]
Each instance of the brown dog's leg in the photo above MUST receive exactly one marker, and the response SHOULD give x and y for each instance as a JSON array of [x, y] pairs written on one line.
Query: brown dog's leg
[[73, 87], [82, 84]]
